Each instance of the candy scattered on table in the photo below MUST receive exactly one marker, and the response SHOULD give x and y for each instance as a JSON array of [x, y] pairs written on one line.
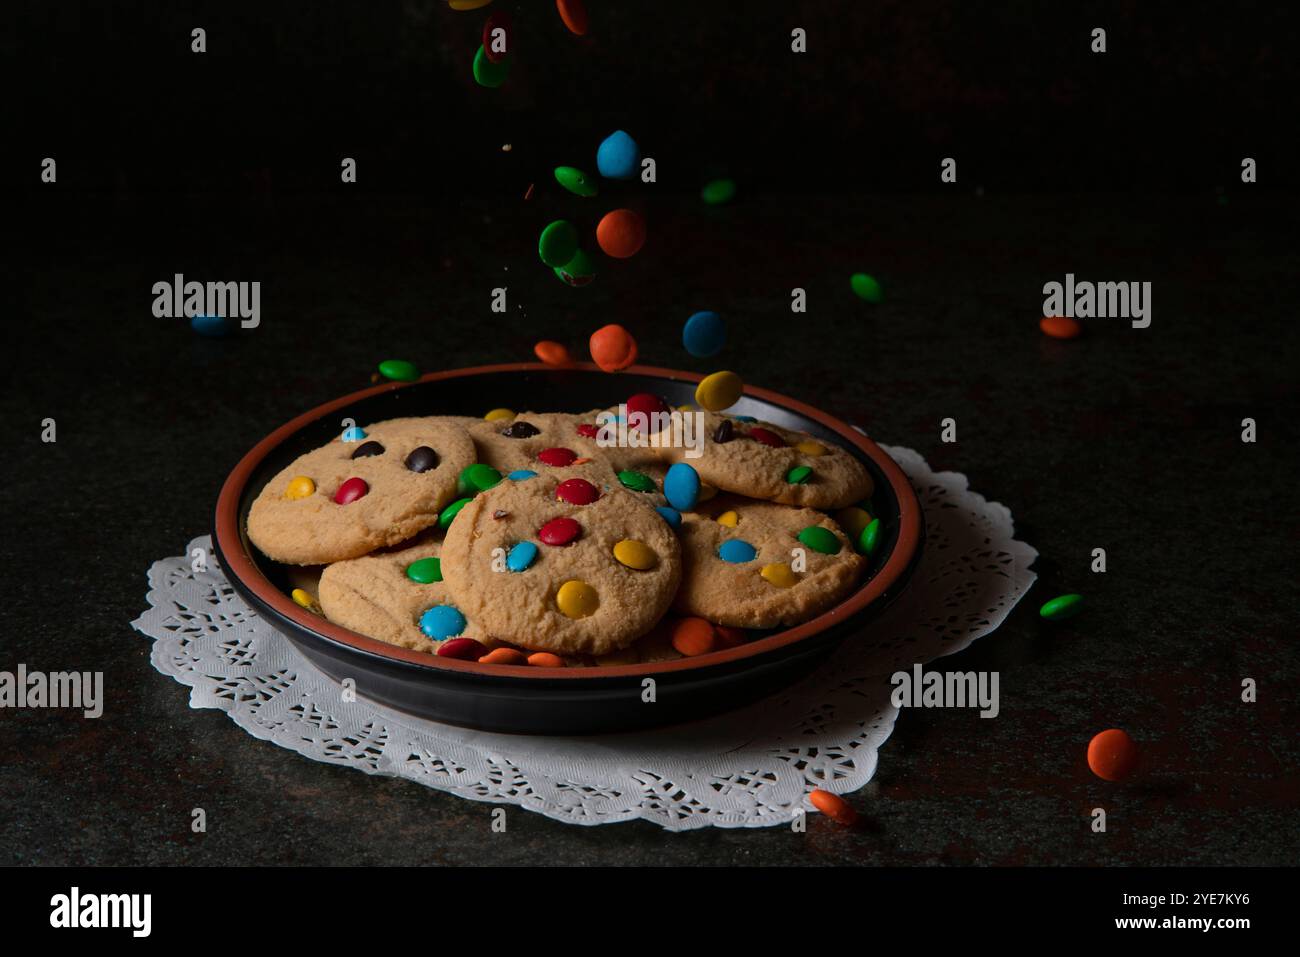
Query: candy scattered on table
[[704, 334], [425, 571], [1060, 327], [716, 192], [300, 486], [737, 551], [487, 73], [442, 621], [558, 243], [682, 486], [463, 649], [1112, 755], [399, 370], [617, 156], [694, 636], [577, 599], [866, 287], [621, 233], [575, 181], [552, 353], [718, 391], [559, 532], [421, 459], [1062, 607], [521, 556], [574, 15], [612, 348], [351, 490], [833, 806]]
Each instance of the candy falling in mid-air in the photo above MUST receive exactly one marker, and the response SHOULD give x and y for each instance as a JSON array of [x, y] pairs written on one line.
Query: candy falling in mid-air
[[617, 156], [612, 348], [578, 271], [719, 391], [1060, 327], [574, 15], [575, 181], [716, 192], [704, 334], [621, 233], [867, 287], [1112, 755], [487, 73], [552, 353], [497, 41], [558, 243]]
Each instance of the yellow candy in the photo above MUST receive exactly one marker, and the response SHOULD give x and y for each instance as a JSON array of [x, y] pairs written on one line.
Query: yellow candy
[[467, 4], [686, 407], [305, 600], [576, 599], [779, 574], [719, 391], [635, 554], [706, 492], [809, 447], [853, 520], [500, 414], [300, 486], [729, 519]]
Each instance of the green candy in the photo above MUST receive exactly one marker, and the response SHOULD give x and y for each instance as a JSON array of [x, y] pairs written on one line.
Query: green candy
[[636, 481], [1062, 607], [476, 478], [426, 571], [820, 540], [869, 538], [451, 511], [578, 271], [866, 287], [575, 180], [799, 474], [487, 73], [718, 191], [558, 243], [399, 370]]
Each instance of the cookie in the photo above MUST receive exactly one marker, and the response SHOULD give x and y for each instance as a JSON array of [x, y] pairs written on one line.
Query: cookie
[[561, 566], [764, 461], [346, 499], [740, 566], [387, 595]]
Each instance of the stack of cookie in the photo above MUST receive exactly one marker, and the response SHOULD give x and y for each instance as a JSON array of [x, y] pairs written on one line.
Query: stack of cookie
[[550, 539]]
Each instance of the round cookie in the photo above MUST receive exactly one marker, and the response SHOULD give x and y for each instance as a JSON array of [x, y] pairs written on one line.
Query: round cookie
[[765, 461], [296, 518], [743, 574], [376, 596], [545, 574]]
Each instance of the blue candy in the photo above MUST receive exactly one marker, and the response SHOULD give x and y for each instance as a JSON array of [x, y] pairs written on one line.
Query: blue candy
[[354, 434], [441, 622], [670, 515], [737, 551], [682, 487], [617, 157], [519, 475], [521, 556], [704, 334], [214, 327], [744, 418]]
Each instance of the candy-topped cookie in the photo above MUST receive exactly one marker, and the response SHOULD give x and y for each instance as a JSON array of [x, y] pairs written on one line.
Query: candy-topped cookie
[[757, 564], [561, 564], [765, 461], [382, 487], [397, 596]]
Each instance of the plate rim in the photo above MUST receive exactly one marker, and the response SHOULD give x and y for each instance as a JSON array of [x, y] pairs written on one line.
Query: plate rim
[[244, 573]]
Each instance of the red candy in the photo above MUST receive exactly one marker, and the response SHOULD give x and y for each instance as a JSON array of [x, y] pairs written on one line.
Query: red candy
[[577, 491], [759, 434], [498, 19], [559, 531], [557, 457], [350, 491], [644, 404], [466, 649], [587, 430]]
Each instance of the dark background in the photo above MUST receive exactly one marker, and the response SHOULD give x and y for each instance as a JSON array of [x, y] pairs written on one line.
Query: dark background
[[1121, 166]]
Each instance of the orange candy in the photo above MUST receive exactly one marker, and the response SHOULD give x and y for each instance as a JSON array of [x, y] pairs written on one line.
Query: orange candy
[[621, 233], [694, 636], [544, 659], [504, 656], [574, 15], [1060, 327], [834, 807], [729, 637], [1112, 755], [612, 347], [552, 353]]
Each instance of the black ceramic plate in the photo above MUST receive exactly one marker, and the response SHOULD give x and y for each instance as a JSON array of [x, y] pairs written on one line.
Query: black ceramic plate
[[553, 700]]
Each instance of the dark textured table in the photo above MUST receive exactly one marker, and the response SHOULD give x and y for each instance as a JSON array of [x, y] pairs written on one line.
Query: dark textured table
[[1116, 167]]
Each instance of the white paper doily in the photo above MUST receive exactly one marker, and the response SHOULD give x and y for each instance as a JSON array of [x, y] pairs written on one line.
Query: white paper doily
[[747, 768]]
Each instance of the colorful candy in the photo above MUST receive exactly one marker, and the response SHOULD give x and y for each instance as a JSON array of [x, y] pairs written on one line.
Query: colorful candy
[[810, 448], [306, 600], [718, 191], [425, 571], [719, 391], [833, 806], [544, 659], [559, 531], [476, 478], [558, 243], [367, 449], [1112, 755], [779, 574], [612, 348], [737, 551], [442, 621], [451, 511], [497, 20], [1062, 607], [422, 459], [670, 515], [799, 474], [467, 4], [351, 490], [487, 73], [866, 287], [300, 486], [682, 486], [730, 519], [642, 409], [520, 430], [578, 271], [694, 636], [618, 156], [575, 181], [574, 15], [577, 491], [621, 233], [557, 457], [399, 370], [576, 599], [521, 475], [1060, 327], [463, 649], [353, 434], [494, 415], [820, 539], [635, 554], [853, 520], [521, 556], [504, 656], [725, 432], [870, 538], [636, 481], [552, 353], [766, 437], [704, 334]]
